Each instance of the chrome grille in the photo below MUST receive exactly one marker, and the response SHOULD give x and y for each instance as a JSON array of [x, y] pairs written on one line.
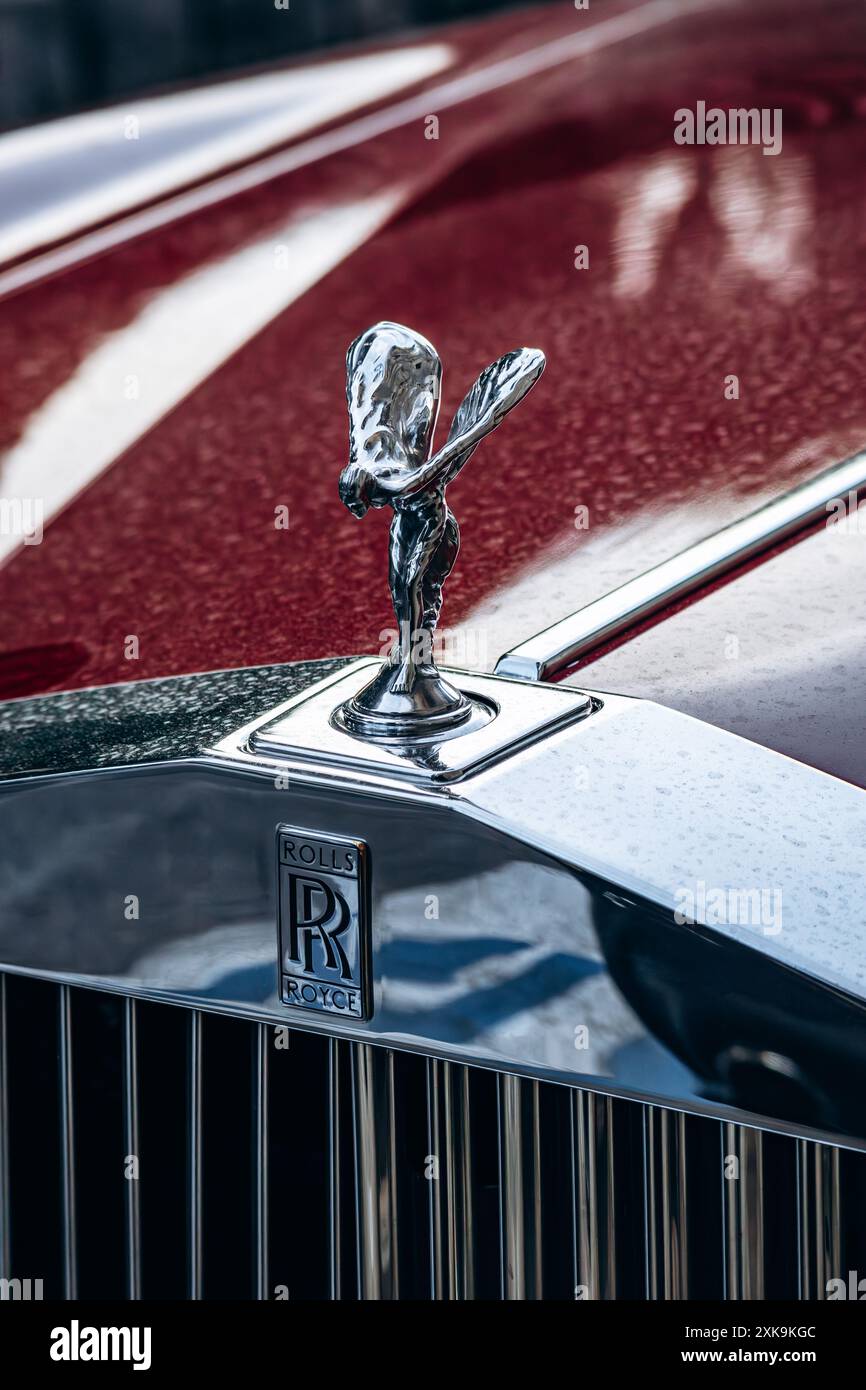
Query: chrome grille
[[151, 1151]]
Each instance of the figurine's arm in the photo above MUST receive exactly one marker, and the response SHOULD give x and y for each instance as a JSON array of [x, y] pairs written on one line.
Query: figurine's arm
[[500, 387], [402, 482]]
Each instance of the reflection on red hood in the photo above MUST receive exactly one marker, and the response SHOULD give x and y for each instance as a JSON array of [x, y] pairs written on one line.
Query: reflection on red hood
[[703, 262]]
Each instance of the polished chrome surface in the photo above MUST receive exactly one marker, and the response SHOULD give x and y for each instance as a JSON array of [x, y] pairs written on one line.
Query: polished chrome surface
[[555, 648], [304, 736], [693, 818], [538, 891], [393, 386]]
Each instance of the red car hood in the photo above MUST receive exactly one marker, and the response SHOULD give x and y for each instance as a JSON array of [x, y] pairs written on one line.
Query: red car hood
[[174, 379]]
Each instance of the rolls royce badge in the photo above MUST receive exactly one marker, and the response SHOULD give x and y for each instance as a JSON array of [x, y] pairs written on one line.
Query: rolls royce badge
[[324, 922]]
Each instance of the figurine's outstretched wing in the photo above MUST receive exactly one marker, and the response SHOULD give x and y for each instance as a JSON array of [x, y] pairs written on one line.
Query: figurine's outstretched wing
[[500, 387]]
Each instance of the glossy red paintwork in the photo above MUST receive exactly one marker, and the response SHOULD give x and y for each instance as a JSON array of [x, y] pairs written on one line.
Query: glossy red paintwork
[[754, 267]]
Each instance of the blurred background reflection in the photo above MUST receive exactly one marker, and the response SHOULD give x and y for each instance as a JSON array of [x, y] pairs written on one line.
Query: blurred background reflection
[[58, 56]]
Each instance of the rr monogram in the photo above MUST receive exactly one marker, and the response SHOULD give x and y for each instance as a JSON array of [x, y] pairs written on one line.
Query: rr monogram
[[332, 921]]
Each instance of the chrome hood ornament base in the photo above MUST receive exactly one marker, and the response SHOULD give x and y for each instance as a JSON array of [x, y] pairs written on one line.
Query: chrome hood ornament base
[[393, 387], [433, 709], [308, 734]]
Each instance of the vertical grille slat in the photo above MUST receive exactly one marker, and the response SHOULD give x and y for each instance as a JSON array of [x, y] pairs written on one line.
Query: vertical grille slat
[[67, 1143], [33, 1105], [234, 1164], [520, 1139], [743, 1200], [99, 1187], [665, 1173], [452, 1231], [163, 1185], [391, 1172], [442, 1275], [594, 1200], [820, 1235], [299, 1145], [373, 1092], [131, 1148], [760, 1214], [408, 1177], [260, 1173], [849, 1235], [335, 1170], [464, 1218], [342, 1193], [194, 1156], [5, 1231]]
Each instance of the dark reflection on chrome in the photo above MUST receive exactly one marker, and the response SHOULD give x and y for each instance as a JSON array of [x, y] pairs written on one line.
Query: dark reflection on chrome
[[757, 1033]]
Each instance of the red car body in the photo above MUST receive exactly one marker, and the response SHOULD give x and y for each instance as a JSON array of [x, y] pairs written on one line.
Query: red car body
[[172, 386]]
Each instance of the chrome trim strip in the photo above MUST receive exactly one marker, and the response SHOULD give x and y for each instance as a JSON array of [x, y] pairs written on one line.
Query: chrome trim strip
[[260, 1158], [194, 1155], [131, 1141], [557, 647], [67, 1145]]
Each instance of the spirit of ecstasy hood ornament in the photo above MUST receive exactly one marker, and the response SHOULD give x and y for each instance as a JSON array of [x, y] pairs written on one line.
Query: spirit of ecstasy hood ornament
[[393, 380]]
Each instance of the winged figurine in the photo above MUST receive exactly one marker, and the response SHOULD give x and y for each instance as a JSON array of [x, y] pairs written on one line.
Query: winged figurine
[[393, 386]]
